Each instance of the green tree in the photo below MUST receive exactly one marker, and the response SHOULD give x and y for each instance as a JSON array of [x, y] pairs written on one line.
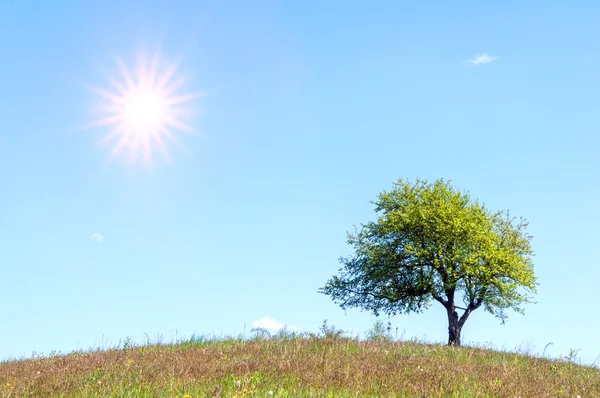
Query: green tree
[[430, 243]]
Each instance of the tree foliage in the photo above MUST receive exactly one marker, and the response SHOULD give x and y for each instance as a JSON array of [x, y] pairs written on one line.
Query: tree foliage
[[429, 243]]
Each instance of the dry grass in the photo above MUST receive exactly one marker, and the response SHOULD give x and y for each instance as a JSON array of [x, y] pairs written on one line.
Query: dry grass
[[296, 367]]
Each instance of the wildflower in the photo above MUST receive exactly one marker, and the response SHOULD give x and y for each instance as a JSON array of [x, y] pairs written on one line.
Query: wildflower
[[270, 392]]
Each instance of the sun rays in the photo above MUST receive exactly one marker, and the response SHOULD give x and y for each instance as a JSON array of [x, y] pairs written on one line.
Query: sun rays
[[143, 108]]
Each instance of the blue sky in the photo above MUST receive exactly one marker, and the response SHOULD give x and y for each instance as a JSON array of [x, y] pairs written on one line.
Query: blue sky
[[310, 111]]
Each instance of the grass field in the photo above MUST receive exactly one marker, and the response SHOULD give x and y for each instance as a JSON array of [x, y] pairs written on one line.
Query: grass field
[[296, 366]]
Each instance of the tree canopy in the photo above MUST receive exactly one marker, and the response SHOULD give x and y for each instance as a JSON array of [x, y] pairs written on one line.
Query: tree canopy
[[433, 243]]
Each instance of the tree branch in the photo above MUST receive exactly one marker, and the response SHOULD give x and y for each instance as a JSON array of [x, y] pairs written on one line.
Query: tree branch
[[473, 305], [403, 294], [440, 300]]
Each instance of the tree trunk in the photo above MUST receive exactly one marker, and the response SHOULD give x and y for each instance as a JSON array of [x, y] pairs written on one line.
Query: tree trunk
[[454, 328]]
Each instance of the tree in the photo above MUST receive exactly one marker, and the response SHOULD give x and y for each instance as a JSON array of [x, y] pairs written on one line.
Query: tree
[[430, 243]]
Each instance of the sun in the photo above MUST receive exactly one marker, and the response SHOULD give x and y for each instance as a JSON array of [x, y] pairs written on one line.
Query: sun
[[143, 111], [142, 108]]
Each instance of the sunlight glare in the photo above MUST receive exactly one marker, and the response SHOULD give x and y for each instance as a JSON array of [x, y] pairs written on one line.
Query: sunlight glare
[[143, 108]]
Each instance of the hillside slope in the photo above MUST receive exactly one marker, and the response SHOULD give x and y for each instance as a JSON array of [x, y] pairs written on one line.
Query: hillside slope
[[296, 367]]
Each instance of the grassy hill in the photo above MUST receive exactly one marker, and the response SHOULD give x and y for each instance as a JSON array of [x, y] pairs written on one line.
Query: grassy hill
[[296, 367]]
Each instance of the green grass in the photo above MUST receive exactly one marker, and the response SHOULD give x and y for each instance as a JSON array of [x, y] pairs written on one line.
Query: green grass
[[296, 366]]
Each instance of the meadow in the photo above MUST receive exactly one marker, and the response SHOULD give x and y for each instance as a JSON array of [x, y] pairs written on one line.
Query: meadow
[[296, 365]]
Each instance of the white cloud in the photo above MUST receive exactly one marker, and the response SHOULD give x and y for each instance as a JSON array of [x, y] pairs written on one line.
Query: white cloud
[[272, 325], [482, 59], [97, 237]]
